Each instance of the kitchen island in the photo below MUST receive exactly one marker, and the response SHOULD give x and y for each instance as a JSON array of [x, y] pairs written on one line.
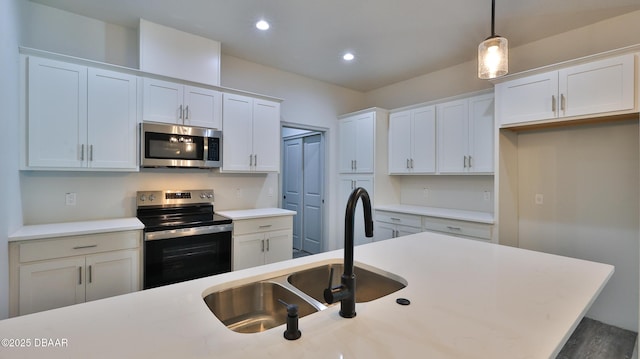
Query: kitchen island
[[468, 300]]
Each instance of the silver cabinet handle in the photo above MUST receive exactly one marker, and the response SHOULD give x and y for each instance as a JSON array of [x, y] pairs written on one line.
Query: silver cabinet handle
[[562, 102], [263, 245], [90, 276], [267, 244], [79, 275], [180, 113], [265, 226], [355, 165], [90, 152], [454, 228], [470, 162], [412, 163], [464, 161], [553, 103], [186, 112], [408, 163], [255, 161], [395, 219], [82, 152], [84, 247], [251, 160]]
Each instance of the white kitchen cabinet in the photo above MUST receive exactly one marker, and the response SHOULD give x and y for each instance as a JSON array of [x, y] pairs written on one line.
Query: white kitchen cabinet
[[465, 229], [175, 103], [465, 135], [393, 224], [597, 87], [357, 143], [56, 272], [259, 241], [412, 141], [80, 117], [251, 140], [347, 185]]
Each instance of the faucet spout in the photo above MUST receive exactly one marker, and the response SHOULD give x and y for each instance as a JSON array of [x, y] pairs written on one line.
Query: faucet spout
[[346, 292]]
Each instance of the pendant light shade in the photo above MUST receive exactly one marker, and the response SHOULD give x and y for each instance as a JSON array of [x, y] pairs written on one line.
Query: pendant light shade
[[493, 53]]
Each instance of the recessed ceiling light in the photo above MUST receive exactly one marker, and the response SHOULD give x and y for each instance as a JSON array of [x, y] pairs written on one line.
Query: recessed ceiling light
[[262, 25], [348, 56]]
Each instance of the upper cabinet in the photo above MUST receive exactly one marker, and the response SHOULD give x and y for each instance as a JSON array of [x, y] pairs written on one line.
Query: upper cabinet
[[251, 141], [465, 135], [356, 136], [79, 117], [175, 103], [412, 141], [599, 88]]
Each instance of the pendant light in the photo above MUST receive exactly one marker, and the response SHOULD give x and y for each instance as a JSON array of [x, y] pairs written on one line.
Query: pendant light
[[493, 53]]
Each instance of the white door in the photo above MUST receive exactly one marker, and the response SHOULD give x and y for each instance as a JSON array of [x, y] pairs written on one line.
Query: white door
[[266, 136], [481, 133], [399, 142], [51, 284], [112, 119], [237, 143], [453, 136], [112, 273], [292, 182], [423, 140], [600, 86], [202, 107], [57, 107], [528, 99], [162, 101], [313, 176]]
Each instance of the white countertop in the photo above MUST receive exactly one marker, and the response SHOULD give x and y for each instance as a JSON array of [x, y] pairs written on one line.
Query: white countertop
[[256, 213], [468, 300], [462, 215], [38, 231]]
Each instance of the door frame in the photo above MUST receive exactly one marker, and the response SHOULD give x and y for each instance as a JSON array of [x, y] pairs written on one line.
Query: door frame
[[313, 130]]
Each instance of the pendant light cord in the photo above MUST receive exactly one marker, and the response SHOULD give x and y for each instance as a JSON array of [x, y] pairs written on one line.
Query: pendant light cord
[[493, 17]]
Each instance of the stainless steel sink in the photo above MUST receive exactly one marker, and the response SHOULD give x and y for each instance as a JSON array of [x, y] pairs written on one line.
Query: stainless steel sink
[[254, 307], [369, 285]]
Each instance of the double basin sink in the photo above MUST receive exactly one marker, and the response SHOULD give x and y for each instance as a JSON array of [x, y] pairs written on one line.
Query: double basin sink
[[256, 306]]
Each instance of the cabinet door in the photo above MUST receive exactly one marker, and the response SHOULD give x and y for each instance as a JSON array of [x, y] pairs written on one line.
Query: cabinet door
[[423, 140], [406, 230], [399, 142], [112, 273], [364, 139], [237, 143], [162, 101], [384, 231], [453, 136], [203, 107], [266, 136], [600, 86], [481, 133], [51, 284], [347, 130], [248, 250], [57, 110], [278, 246], [112, 99], [528, 99]]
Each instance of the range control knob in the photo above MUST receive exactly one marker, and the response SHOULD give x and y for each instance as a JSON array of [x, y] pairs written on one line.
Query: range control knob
[[152, 197], [203, 195], [143, 198], [209, 195]]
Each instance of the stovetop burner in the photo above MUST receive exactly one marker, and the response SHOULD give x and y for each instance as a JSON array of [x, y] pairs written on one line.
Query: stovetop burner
[[168, 210]]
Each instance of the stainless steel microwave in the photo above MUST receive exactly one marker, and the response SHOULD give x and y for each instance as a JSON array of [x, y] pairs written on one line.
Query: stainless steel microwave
[[167, 145]]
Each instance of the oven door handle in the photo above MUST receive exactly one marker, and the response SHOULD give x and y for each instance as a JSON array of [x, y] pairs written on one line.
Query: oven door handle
[[186, 232]]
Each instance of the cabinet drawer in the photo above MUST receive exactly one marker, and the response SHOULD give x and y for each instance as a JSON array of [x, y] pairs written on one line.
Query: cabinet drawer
[[460, 228], [399, 218], [262, 224], [78, 245]]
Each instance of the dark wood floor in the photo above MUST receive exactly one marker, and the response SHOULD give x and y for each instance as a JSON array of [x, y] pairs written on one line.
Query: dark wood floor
[[595, 340]]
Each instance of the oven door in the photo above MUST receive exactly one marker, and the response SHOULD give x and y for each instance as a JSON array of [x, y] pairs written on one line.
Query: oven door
[[176, 256]]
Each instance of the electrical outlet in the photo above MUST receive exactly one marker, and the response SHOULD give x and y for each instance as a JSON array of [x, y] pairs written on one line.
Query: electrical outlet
[[539, 198], [487, 195], [238, 193], [425, 192], [70, 199], [270, 192]]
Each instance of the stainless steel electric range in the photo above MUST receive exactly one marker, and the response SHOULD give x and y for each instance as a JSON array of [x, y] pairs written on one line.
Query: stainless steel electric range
[[183, 237]]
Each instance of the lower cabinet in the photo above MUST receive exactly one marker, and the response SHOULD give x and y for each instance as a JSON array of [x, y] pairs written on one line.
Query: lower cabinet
[[392, 225], [259, 241], [53, 273]]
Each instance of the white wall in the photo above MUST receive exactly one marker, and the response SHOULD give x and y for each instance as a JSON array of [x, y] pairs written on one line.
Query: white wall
[[588, 177], [10, 206]]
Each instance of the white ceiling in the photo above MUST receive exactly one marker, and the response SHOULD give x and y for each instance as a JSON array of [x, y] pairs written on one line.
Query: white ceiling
[[392, 40]]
